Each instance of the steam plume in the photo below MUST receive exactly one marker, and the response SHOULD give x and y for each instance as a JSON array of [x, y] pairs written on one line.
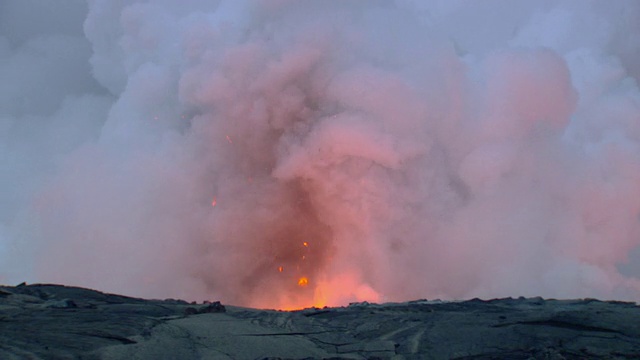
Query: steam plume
[[281, 153]]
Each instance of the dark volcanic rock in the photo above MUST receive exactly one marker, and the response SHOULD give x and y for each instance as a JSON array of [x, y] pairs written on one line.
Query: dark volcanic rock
[[58, 322]]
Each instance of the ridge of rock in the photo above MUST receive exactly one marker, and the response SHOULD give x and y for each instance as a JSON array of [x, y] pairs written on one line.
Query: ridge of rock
[[45, 321]]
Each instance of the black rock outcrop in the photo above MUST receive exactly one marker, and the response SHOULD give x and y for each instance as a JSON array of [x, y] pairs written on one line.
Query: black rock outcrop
[[60, 322]]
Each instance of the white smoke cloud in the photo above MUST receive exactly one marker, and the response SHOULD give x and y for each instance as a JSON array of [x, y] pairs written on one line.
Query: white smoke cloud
[[375, 150]]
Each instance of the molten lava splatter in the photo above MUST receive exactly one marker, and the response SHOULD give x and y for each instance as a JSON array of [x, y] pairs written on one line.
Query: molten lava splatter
[[303, 281]]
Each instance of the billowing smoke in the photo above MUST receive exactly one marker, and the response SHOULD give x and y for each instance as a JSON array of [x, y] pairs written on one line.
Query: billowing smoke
[[282, 153]]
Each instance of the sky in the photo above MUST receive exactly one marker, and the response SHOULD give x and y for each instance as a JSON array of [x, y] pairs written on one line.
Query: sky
[[290, 153]]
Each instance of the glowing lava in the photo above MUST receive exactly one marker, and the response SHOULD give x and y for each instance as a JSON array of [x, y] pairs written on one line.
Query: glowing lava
[[303, 281]]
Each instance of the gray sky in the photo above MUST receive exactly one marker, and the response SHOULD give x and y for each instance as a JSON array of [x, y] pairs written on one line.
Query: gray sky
[[381, 150]]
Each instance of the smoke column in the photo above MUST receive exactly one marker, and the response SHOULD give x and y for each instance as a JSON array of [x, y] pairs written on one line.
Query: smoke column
[[281, 153]]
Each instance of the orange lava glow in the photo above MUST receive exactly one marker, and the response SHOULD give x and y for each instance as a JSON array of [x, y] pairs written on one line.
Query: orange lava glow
[[340, 290], [280, 268]]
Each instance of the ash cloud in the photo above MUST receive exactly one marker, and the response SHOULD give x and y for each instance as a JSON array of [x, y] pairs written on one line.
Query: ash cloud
[[381, 150]]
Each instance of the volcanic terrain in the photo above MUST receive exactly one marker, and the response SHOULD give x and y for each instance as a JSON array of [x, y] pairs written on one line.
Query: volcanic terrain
[[43, 321]]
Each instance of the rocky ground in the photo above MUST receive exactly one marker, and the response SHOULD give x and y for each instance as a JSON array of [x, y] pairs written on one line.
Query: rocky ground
[[58, 322]]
